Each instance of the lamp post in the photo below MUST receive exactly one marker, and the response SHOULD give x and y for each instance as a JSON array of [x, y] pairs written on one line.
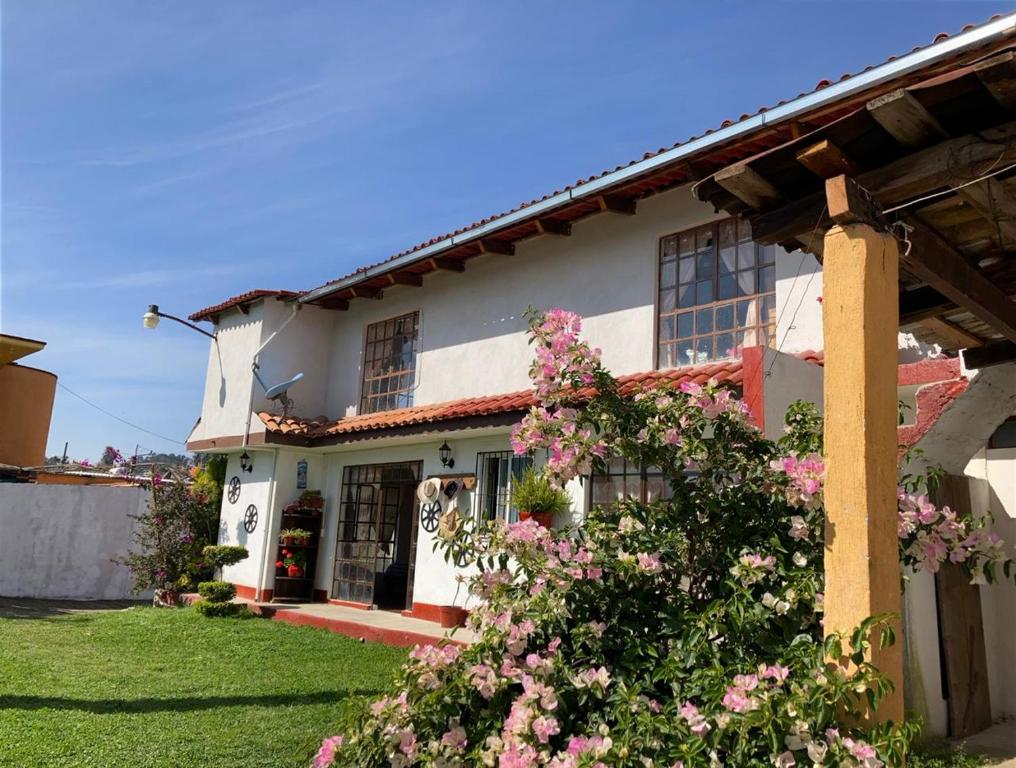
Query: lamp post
[[151, 319]]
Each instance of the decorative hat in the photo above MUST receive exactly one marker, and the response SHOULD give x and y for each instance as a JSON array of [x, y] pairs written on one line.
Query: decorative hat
[[429, 489]]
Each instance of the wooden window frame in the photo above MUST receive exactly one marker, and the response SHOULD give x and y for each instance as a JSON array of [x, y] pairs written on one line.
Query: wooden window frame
[[369, 401], [502, 498], [761, 302]]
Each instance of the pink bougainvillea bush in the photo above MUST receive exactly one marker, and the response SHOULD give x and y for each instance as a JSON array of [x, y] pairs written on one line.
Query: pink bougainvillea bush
[[684, 631]]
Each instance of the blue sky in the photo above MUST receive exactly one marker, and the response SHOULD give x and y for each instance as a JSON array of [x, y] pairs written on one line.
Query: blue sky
[[179, 153]]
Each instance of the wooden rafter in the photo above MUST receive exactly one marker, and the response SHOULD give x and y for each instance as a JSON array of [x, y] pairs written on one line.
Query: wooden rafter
[[450, 265], [956, 336], [990, 354], [552, 227], [744, 182], [998, 75], [990, 199], [365, 292], [617, 204], [921, 303], [905, 119], [334, 302], [405, 278], [500, 247], [826, 160]]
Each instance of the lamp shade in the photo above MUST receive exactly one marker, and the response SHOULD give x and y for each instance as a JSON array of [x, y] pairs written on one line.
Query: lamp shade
[[151, 317]]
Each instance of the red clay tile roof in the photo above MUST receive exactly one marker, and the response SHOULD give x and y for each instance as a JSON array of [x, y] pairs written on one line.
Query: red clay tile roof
[[239, 301], [724, 372]]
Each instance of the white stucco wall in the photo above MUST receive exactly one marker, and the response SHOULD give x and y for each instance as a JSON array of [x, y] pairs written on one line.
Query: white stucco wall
[[255, 488], [788, 379], [57, 541]]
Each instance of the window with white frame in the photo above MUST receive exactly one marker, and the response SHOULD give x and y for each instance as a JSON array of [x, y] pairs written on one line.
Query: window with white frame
[[496, 474]]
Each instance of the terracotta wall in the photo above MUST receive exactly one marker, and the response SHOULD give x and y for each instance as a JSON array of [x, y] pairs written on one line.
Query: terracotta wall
[[26, 405]]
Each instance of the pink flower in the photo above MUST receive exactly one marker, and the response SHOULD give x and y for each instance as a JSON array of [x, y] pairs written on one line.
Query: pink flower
[[326, 754], [776, 672], [544, 727], [649, 563], [696, 721], [455, 738]]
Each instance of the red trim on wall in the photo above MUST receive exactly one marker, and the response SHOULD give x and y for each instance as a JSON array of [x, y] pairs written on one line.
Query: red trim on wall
[[320, 596], [425, 611], [753, 384], [252, 594], [400, 638]]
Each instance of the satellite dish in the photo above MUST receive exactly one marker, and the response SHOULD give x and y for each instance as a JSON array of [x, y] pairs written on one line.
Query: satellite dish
[[278, 393]]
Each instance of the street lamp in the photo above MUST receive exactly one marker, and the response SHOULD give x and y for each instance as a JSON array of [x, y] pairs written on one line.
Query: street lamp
[[151, 319]]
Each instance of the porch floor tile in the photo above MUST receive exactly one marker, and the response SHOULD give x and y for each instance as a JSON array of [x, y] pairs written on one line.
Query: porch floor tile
[[389, 627], [998, 743]]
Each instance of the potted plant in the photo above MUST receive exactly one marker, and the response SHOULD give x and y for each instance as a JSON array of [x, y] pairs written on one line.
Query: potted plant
[[453, 615], [535, 497], [290, 536], [312, 501], [293, 562]]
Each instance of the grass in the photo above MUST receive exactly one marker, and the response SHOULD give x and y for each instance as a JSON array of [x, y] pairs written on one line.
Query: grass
[[152, 688]]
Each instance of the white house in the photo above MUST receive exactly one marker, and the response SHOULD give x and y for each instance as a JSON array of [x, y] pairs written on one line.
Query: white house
[[427, 349]]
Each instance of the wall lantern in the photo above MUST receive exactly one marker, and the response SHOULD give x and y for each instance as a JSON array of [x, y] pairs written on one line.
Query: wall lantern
[[446, 455], [245, 463]]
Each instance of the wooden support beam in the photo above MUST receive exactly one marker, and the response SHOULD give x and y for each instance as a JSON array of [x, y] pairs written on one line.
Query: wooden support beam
[[405, 278], [990, 354], [334, 302], [956, 336], [862, 567], [905, 119], [826, 160], [847, 202], [744, 182], [552, 227], [921, 303], [990, 199], [366, 292], [617, 204], [499, 247], [932, 260], [998, 75], [916, 174], [450, 265]]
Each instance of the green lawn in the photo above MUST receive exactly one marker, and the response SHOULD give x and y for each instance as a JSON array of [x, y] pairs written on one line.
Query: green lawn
[[145, 687]]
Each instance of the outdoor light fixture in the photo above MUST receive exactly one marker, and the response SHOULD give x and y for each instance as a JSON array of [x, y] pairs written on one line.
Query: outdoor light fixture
[[245, 463], [151, 319], [446, 455]]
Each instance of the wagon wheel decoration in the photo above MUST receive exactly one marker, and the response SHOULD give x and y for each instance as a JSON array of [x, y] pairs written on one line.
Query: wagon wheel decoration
[[234, 490], [430, 516], [250, 519]]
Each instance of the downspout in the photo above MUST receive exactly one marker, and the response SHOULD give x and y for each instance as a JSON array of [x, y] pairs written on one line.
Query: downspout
[[254, 368]]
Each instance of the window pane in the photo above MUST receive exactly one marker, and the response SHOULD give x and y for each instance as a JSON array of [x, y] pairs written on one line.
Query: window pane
[[704, 349], [746, 314], [725, 345], [767, 280], [667, 325], [684, 353], [746, 255], [686, 296], [669, 247], [685, 327], [668, 355], [766, 254], [725, 317], [668, 299], [743, 230], [687, 270], [687, 243], [746, 282], [705, 265], [727, 288], [704, 291], [728, 260], [704, 321], [704, 239], [728, 233], [668, 274]]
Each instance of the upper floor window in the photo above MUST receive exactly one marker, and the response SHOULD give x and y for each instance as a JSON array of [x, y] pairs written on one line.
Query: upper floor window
[[717, 294], [496, 474], [389, 364]]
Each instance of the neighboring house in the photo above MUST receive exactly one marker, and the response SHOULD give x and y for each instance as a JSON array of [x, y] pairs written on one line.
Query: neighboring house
[[26, 404], [416, 367]]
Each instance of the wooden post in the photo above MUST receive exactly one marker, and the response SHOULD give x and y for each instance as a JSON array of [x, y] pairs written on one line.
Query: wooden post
[[860, 307]]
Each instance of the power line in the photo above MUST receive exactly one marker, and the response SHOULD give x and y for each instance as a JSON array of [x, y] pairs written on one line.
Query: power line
[[114, 416]]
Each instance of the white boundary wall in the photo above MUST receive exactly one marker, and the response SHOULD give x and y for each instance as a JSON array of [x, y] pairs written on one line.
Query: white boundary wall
[[57, 541]]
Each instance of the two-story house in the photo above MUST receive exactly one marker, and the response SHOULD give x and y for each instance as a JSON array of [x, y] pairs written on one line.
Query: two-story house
[[416, 367]]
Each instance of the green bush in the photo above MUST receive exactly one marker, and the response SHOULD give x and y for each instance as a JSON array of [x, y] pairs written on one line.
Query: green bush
[[942, 754], [223, 610], [217, 591], [221, 555], [535, 493]]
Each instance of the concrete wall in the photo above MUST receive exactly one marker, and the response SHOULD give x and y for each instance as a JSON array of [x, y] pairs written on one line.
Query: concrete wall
[[26, 407], [56, 541], [255, 488]]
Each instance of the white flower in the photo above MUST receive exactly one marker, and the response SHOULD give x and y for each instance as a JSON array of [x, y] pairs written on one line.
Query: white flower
[[800, 560], [817, 751], [784, 760], [769, 600]]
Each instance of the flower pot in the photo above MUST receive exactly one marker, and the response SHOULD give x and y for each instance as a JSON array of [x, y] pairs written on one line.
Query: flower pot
[[166, 598], [543, 518], [452, 616], [294, 571], [287, 541]]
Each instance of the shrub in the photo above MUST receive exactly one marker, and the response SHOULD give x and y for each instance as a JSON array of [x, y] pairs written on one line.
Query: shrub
[[221, 555], [168, 555], [217, 591], [214, 610], [684, 631]]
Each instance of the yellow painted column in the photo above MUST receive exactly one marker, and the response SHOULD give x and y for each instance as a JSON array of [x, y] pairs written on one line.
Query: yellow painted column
[[860, 313]]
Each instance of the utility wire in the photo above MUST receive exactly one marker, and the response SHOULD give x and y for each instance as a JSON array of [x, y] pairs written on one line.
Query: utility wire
[[114, 416]]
